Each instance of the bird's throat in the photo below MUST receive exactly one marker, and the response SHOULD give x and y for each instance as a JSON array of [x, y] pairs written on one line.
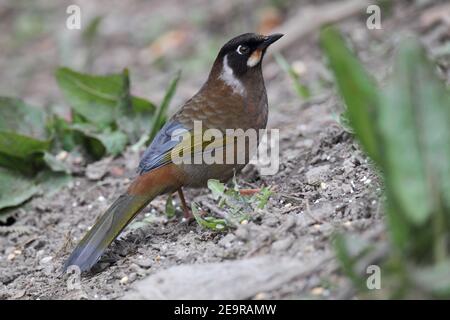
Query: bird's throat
[[229, 78]]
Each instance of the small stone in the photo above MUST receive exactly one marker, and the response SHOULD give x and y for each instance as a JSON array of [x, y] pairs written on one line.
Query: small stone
[[242, 233], [317, 174], [46, 260], [124, 280], [132, 277], [144, 263], [261, 296], [317, 291], [11, 257], [283, 244]]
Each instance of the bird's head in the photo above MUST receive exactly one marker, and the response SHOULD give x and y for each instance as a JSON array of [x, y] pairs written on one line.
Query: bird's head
[[244, 52]]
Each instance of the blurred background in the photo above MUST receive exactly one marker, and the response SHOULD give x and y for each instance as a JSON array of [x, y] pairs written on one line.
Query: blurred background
[[154, 39], [328, 183]]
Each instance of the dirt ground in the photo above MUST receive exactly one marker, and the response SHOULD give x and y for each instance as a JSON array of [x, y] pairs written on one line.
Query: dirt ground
[[325, 185]]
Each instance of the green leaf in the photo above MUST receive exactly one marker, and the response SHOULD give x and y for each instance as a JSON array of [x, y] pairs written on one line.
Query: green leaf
[[413, 123], [20, 146], [133, 115], [170, 208], [262, 197], [95, 97], [434, 279], [22, 129], [356, 87], [161, 116], [50, 182], [208, 222], [64, 136], [20, 118], [102, 143], [54, 164], [15, 188], [217, 188]]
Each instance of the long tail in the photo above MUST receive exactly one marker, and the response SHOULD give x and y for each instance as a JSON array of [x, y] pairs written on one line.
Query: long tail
[[143, 190]]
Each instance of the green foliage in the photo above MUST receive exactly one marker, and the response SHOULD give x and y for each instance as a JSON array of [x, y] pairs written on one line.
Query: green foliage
[[208, 222], [105, 119], [170, 208], [161, 116], [356, 87], [15, 188], [404, 128], [236, 207], [24, 151]]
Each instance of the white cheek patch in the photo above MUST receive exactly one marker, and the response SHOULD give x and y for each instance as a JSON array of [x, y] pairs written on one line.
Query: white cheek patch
[[254, 58], [228, 77]]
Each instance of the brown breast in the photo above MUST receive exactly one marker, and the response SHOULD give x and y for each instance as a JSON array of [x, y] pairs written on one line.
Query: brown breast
[[218, 106]]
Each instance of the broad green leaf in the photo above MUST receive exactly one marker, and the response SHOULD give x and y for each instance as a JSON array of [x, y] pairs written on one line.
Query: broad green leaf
[[21, 146], [22, 129], [15, 188], [95, 97], [431, 108], [433, 279], [161, 116], [63, 135], [356, 87], [404, 146], [20, 118], [50, 182], [14, 163], [101, 143]]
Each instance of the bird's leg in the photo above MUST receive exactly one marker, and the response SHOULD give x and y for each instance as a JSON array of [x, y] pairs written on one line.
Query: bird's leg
[[186, 211], [249, 192]]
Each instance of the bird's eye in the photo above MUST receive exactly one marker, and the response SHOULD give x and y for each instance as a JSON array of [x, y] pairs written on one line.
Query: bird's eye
[[242, 49]]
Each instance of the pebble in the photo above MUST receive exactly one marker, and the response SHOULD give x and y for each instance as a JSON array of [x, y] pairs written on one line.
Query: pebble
[[144, 263], [132, 277], [283, 244], [260, 296], [317, 291], [46, 260], [124, 280]]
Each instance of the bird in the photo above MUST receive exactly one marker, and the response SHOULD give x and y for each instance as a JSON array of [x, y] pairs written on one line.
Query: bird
[[233, 97]]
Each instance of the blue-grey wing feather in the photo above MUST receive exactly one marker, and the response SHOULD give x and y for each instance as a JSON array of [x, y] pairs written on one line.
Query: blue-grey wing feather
[[166, 139]]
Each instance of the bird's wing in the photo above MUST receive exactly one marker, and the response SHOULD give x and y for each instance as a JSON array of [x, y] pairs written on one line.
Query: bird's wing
[[174, 139], [156, 154]]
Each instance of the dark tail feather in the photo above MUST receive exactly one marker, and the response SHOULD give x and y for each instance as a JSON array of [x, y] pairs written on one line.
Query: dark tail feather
[[106, 229]]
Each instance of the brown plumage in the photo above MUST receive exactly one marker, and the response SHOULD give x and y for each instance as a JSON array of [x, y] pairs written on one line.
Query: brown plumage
[[233, 97]]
